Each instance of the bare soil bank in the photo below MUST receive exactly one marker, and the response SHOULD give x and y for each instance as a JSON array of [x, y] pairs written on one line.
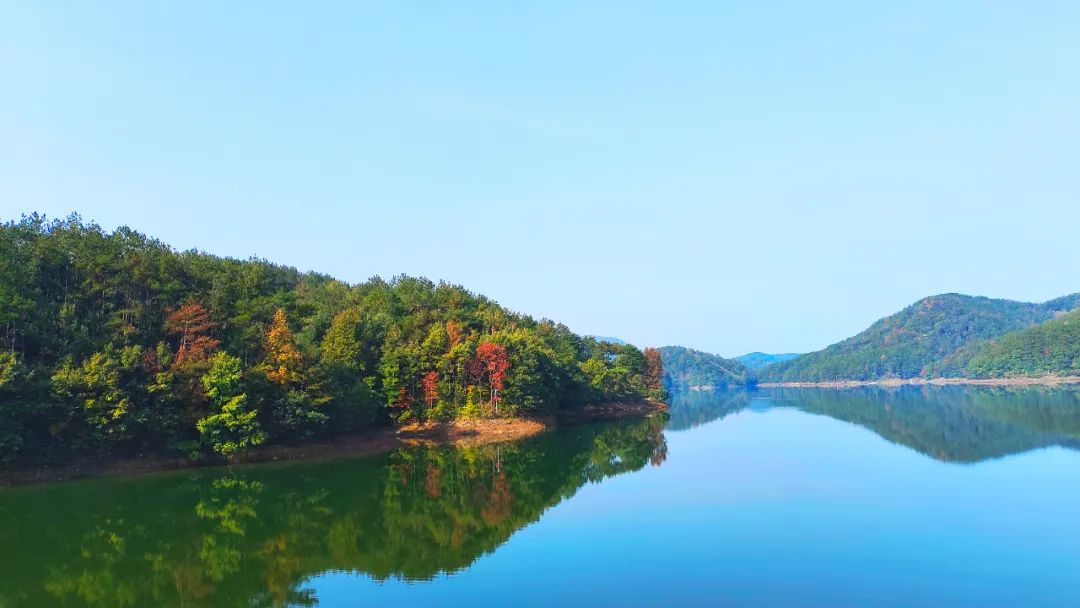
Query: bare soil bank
[[462, 433], [890, 382]]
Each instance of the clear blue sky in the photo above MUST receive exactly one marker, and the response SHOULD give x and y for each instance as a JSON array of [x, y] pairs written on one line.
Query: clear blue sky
[[731, 177]]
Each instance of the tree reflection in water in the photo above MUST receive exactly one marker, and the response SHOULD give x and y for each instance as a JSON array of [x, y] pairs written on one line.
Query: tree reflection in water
[[252, 535]]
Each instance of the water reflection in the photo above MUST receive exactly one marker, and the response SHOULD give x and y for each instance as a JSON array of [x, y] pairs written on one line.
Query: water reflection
[[261, 536], [949, 423], [252, 535], [695, 408]]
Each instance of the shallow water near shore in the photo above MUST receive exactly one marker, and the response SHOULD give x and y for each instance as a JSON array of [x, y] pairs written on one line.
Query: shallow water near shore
[[959, 496]]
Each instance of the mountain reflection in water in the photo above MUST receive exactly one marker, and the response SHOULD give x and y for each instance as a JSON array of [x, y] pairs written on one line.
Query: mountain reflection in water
[[948, 423]]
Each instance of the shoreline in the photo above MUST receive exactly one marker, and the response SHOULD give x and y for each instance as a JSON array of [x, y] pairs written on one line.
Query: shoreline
[[896, 382], [458, 433]]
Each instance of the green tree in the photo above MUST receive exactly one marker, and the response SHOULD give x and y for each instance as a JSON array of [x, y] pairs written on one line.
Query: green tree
[[232, 427], [12, 431], [105, 392], [341, 346]]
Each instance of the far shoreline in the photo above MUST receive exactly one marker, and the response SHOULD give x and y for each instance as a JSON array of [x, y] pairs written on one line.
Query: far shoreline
[[896, 382], [457, 433]]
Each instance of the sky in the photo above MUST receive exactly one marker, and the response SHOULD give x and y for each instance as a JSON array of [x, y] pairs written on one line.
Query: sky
[[729, 176]]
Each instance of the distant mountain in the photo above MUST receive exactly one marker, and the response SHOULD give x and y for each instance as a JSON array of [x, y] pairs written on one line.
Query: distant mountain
[[608, 339], [935, 336], [685, 368], [755, 361]]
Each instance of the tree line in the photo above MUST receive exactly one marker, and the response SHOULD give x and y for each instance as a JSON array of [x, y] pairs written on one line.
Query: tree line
[[115, 344]]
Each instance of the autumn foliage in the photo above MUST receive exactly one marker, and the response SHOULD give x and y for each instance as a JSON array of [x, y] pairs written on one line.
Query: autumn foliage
[[454, 332], [193, 327], [282, 356], [430, 387], [495, 362], [654, 369]]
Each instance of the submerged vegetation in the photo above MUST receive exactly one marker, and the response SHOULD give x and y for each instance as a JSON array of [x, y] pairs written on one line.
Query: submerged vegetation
[[114, 344]]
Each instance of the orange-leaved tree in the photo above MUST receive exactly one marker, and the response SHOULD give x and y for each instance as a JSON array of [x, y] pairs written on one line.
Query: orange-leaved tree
[[654, 369], [454, 332], [282, 355], [429, 384], [193, 327]]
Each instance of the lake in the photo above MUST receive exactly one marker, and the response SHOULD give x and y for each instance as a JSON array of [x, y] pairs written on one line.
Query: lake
[[944, 496]]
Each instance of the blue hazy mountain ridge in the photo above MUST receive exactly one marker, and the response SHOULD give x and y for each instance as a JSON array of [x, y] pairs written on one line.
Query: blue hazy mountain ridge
[[939, 336], [685, 368], [757, 360], [609, 339]]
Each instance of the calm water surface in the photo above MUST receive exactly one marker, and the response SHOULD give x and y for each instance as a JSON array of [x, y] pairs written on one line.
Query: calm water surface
[[903, 497]]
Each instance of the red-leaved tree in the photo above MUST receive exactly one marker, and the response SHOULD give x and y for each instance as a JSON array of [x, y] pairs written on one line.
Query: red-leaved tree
[[496, 362]]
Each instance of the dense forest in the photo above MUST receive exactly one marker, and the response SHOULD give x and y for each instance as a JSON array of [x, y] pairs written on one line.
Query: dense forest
[[114, 344], [684, 368], [1050, 348], [947, 335]]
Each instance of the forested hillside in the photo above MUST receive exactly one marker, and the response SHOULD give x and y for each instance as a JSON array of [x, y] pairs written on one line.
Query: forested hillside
[[685, 367], [1050, 348], [115, 344], [935, 336]]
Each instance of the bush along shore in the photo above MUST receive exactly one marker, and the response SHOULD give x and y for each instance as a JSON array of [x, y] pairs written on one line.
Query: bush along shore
[[117, 348]]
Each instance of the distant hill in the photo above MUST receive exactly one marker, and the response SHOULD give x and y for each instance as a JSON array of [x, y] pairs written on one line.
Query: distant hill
[[608, 339], [938, 335], [755, 361], [1050, 348], [685, 368]]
